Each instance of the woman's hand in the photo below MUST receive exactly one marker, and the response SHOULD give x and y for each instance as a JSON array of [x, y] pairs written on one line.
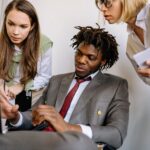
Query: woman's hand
[[9, 111], [145, 71], [4, 92], [10, 92], [15, 90]]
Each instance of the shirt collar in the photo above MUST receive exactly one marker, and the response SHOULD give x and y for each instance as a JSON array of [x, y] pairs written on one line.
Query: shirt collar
[[94, 74], [17, 48], [91, 75], [140, 19]]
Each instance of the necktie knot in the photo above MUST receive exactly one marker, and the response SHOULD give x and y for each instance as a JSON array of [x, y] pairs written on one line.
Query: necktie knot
[[80, 80]]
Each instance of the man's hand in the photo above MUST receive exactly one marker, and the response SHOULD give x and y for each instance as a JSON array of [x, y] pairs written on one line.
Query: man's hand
[[49, 114]]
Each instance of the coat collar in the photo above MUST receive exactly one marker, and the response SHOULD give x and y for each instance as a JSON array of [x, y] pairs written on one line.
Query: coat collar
[[85, 97], [62, 92], [88, 94]]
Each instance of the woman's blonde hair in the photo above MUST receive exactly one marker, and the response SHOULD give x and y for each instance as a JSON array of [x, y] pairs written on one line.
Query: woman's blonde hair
[[130, 8]]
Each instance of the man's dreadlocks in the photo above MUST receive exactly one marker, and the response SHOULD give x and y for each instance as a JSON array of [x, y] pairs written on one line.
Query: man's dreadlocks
[[101, 40]]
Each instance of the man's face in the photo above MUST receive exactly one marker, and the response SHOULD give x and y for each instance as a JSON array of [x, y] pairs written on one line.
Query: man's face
[[87, 60]]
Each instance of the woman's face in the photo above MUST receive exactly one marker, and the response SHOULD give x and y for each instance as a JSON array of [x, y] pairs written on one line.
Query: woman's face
[[111, 9], [18, 26]]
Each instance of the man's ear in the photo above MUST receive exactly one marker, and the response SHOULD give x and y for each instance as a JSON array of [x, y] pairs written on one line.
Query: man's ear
[[103, 62]]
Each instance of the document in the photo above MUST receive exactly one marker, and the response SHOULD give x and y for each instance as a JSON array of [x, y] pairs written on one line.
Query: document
[[141, 57]]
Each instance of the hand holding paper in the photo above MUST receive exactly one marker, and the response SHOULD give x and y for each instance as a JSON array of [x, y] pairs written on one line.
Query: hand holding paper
[[144, 71], [143, 60], [142, 57]]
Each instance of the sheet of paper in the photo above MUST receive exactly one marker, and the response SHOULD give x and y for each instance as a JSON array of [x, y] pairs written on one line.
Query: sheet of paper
[[141, 57]]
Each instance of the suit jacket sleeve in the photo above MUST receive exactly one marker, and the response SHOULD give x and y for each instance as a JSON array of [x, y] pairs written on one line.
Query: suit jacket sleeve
[[114, 128]]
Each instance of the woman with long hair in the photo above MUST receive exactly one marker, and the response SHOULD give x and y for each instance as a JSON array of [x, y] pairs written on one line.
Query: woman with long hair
[[25, 54]]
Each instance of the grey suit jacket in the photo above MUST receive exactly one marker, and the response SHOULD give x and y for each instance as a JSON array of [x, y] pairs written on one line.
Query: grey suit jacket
[[103, 105]]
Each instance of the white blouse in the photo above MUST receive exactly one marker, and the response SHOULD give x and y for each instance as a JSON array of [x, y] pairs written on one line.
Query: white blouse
[[134, 44], [43, 70]]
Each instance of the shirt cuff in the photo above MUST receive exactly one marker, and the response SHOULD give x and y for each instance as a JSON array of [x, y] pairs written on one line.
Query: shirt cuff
[[86, 130], [20, 121]]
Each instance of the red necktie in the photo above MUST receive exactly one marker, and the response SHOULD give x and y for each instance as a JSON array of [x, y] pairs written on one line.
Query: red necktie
[[68, 100]]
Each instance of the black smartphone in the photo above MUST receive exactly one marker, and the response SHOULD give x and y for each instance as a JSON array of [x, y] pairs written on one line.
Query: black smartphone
[[41, 126], [24, 100]]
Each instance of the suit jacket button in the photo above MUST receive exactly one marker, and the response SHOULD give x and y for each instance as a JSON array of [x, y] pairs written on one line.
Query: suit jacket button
[[99, 112]]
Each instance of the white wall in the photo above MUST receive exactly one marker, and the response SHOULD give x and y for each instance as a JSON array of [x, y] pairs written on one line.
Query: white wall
[[3, 4], [58, 18]]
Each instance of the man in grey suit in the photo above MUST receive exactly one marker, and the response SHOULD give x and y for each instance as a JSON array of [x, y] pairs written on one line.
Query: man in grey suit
[[100, 106]]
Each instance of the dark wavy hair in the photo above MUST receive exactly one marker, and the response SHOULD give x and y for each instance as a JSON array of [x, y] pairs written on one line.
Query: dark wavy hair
[[101, 40], [30, 46]]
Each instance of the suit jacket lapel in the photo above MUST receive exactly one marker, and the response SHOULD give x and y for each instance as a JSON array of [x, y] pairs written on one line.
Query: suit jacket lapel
[[87, 94], [64, 86]]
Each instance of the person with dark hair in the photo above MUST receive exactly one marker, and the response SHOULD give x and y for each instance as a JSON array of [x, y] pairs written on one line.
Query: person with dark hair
[[86, 100], [101, 40], [25, 54]]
